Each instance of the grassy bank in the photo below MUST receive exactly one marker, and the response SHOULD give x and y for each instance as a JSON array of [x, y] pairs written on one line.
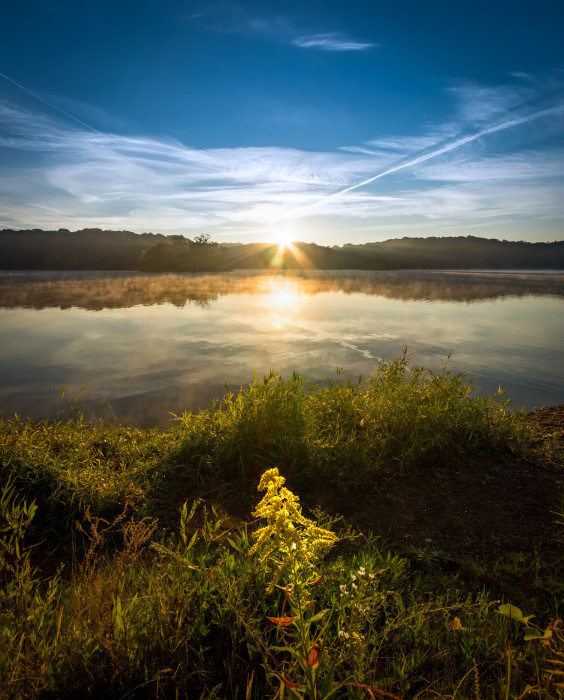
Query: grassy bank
[[117, 578]]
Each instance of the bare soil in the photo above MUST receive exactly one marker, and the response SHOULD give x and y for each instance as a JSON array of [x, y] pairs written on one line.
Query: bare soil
[[497, 506]]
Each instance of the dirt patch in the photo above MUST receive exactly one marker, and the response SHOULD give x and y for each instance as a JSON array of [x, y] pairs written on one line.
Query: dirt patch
[[497, 506]]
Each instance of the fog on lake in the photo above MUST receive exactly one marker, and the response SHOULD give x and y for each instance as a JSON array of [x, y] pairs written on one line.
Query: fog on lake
[[147, 346]]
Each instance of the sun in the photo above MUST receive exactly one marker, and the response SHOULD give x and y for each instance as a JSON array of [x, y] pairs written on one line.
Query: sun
[[281, 235], [284, 249], [282, 240]]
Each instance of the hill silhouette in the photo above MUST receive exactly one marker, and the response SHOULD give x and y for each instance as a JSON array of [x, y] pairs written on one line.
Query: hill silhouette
[[95, 249]]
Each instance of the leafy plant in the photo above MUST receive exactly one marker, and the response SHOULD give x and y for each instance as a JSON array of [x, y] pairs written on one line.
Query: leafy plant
[[213, 608], [292, 544], [551, 639]]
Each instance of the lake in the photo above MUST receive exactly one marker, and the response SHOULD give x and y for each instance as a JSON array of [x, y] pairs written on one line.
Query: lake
[[147, 347]]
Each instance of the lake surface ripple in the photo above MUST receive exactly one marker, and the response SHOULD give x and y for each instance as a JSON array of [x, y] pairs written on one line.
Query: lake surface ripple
[[146, 346]]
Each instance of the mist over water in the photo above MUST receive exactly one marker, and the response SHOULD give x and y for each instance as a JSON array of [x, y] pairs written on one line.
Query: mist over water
[[148, 346]]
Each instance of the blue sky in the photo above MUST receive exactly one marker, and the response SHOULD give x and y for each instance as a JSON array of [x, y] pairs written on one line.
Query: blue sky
[[325, 121]]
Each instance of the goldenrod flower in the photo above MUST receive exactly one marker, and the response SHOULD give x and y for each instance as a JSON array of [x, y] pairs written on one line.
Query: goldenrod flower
[[288, 535]]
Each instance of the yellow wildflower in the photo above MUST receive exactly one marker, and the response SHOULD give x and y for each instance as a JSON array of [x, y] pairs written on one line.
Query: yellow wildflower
[[288, 534]]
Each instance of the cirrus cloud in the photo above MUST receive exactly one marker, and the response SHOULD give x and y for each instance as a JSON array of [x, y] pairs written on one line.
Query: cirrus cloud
[[331, 41], [55, 174]]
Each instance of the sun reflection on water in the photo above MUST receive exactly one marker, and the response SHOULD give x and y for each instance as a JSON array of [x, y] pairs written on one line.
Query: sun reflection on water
[[283, 297], [283, 292]]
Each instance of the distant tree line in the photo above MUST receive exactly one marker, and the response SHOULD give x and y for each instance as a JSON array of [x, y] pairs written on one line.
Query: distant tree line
[[453, 253], [89, 249], [180, 254], [467, 252], [94, 249]]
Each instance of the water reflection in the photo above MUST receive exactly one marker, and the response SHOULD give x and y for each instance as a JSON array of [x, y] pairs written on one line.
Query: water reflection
[[95, 291], [147, 346]]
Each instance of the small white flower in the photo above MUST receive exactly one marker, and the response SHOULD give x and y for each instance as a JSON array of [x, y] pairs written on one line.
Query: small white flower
[[371, 575], [343, 588], [362, 571], [353, 577], [353, 585], [343, 634]]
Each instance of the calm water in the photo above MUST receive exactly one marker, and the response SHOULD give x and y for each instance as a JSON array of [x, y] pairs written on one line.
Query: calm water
[[146, 346]]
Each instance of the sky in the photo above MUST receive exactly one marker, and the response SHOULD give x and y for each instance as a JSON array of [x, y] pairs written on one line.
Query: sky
[[325, 121]]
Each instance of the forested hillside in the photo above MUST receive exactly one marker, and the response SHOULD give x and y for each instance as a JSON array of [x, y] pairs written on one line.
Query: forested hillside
[[89, 249], [94, 249]]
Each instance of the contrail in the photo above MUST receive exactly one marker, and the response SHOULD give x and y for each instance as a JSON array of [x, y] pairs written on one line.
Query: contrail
[[62, 111], [31, 204], [559, 109]]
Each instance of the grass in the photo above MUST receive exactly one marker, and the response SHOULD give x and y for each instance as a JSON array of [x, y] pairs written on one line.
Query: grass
[[348, 432], [143, 591]]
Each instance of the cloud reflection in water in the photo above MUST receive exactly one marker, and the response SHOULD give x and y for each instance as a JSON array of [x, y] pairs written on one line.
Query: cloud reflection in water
[[147, 345]]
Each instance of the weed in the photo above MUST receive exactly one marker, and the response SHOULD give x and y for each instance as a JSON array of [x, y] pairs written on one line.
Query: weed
[[207, 607]]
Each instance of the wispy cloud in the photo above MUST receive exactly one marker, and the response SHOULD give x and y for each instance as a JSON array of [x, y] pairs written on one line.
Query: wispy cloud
[[59, 174], [331, 41], [282, 28], [451, 145], [50, 104], [151, 183], [531, 166]]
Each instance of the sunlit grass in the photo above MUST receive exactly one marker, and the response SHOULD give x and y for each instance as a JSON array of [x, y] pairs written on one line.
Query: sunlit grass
[[347, 432], [162, 596], [189, 613]]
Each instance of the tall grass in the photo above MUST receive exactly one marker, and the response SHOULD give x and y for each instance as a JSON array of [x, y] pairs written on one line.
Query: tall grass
[[403, 417], [190, 614], [344, 432], [111, 584]]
